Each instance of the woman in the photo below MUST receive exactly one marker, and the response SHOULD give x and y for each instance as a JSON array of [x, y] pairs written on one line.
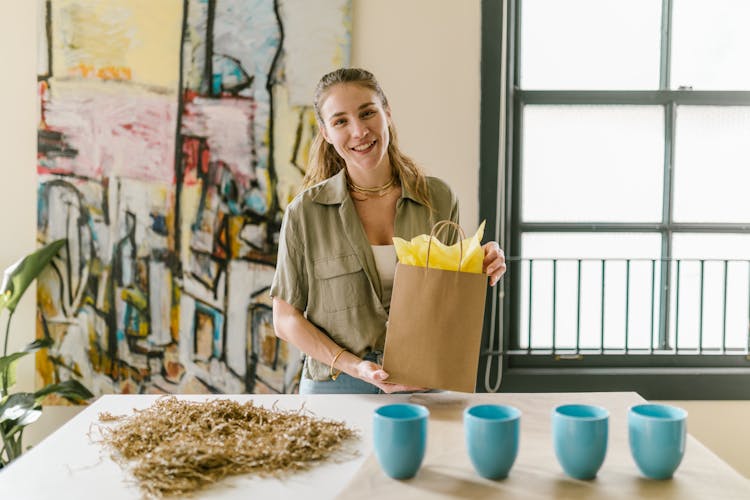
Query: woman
[[331, 292]]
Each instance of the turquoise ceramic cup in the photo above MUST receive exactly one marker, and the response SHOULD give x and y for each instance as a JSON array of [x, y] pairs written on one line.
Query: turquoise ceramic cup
[[492, 433], [580, 434], [400, 434], [657, 435]]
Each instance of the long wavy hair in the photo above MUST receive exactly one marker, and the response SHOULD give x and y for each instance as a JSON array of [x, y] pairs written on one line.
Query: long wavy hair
[[325, 162]]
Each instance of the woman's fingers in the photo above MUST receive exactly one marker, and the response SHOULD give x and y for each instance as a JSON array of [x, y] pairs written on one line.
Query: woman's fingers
[[494, 261], [391, 388], [374, 374]]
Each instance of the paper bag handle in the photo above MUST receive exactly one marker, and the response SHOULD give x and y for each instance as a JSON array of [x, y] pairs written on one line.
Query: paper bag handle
[[433, 234]]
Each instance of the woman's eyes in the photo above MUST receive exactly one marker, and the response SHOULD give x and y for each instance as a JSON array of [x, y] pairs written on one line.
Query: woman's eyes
[[365, 114]]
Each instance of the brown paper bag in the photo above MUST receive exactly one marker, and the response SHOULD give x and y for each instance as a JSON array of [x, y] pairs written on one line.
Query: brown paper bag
[[435, 326]]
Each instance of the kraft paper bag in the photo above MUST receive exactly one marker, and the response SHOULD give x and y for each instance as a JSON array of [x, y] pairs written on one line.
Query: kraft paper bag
[[434, 328]]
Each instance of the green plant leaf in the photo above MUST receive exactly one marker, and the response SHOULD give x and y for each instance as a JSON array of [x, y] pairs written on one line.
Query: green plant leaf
[[8, 365], [72, 390], [19, 276], [21, 409], [8, 362], [12, 438]]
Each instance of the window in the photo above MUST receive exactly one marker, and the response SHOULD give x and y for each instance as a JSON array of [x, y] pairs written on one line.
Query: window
[[618, 181]]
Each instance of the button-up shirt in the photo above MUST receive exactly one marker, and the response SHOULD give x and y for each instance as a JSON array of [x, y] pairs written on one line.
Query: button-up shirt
[[326, 269]]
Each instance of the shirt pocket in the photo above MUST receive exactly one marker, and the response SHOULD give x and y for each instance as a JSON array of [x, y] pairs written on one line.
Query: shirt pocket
[[343, 282]]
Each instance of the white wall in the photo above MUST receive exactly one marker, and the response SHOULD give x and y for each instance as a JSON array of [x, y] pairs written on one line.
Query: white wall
[[425, 53], [18, 122], [426, 56]]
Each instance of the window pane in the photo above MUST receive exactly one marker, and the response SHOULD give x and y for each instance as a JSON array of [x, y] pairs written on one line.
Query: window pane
[[643, 286], [690, 248], [592, 163], [712, 164], [710, 44], [590, 44]]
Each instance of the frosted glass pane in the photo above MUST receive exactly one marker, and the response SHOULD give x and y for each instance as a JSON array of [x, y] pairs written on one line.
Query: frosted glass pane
[[711, 44], [711, 246], [712, 164], [592, 163], [590, 44], [592, 247]]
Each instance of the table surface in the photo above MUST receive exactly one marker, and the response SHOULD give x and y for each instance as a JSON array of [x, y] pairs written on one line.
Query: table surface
[[72, 461]]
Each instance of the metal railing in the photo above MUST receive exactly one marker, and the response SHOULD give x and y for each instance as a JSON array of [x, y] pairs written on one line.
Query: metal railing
[[572, 307]]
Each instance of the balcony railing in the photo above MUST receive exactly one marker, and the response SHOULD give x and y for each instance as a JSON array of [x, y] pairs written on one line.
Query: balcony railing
[[623, 313]]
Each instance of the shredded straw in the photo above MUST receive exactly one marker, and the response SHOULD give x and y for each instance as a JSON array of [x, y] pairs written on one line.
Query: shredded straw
[[178, 447]]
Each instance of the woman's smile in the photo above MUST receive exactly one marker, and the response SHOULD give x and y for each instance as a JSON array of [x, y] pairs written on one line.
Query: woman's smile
[[365, 147]]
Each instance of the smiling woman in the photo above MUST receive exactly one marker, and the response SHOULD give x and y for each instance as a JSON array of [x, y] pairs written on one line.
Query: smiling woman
[[356, 125], [331, 291]]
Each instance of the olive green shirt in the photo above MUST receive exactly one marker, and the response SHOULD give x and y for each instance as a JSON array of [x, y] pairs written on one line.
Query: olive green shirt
[[326, 268]]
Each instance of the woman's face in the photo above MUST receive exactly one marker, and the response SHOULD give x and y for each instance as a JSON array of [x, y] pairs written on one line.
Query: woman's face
[[355, 122]]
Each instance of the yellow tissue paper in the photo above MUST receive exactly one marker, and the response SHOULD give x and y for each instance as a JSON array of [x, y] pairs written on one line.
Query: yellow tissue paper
[[442, 256]]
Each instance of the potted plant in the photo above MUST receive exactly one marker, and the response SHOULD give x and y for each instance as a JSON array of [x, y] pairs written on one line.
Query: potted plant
[[19, 409]]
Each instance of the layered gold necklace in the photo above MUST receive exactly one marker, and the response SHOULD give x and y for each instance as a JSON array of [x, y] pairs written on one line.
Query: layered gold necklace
[[374, 192]]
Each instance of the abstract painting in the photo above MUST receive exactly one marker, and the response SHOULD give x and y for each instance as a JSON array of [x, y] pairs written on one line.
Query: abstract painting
[[172, 136]]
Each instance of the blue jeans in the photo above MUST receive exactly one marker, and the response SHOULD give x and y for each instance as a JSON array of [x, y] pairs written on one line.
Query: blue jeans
[[344, 384]]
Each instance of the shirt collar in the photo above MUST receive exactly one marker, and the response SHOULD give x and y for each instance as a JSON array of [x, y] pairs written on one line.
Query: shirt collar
[[405, 193], [333, 190]]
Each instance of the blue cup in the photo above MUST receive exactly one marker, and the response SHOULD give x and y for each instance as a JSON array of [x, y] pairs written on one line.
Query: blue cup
[[657, 435], [400, 434], [492, 434], [580, 434]]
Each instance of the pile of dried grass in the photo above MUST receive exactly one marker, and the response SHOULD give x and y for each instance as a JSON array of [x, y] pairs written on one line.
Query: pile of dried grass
[[178, 447]]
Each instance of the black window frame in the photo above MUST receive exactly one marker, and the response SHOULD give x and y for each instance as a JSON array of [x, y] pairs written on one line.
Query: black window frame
[[678, 376]]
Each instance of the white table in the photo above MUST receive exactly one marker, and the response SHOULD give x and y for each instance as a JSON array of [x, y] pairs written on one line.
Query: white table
[[69, 464]]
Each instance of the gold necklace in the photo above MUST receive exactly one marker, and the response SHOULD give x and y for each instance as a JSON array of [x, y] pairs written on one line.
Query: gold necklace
[[378, 191]]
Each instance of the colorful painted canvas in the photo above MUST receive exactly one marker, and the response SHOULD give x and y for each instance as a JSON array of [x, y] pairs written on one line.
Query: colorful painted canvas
[[173, 133]]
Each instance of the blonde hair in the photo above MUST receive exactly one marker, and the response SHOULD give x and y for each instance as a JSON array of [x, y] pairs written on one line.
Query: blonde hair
[[325, 162]]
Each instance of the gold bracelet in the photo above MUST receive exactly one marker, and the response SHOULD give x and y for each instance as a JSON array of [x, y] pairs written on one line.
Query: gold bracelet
[[334, 376]]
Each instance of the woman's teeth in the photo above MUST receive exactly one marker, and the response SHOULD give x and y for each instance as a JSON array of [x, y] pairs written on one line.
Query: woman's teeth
[[363, 147]]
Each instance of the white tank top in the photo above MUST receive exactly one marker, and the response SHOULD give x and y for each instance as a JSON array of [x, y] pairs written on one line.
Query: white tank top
[[385, 260]]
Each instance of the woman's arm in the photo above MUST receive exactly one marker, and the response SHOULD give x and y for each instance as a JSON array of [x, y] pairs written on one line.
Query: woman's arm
[[290, 325]]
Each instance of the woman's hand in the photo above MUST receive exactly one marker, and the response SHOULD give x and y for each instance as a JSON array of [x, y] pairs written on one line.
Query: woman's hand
[[494, 262], [374, 374]]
